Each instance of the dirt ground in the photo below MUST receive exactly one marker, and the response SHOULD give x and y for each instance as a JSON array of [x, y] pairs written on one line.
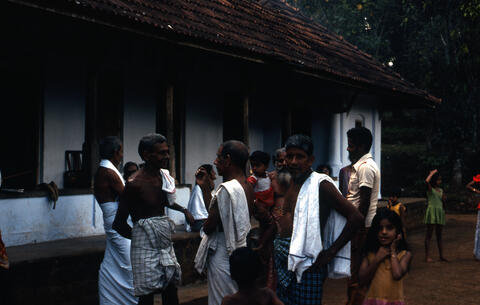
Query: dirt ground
[[438, 283]]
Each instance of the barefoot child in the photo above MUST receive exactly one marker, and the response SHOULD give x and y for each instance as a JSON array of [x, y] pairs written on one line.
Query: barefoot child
[[398, 207], [245, 267], [435, 214], [386, 260], [474, 187]]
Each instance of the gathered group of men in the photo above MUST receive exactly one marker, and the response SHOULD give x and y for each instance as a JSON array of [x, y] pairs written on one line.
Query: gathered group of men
[[305, 232]]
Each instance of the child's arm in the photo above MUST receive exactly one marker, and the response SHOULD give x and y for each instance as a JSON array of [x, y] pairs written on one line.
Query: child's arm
[[429, 177], [399, 267], [470, 187], [368, 269]]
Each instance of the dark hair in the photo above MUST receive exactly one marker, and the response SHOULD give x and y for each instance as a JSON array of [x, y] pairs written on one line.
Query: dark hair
[[260, 156], [108, 146], [148, 141], [245, 266], [434, 178], [300, 141], [322, 166], [126, 172], [361, 136], [238, 152], [277, 152], [396, 191], [207, 167], [372, 244]]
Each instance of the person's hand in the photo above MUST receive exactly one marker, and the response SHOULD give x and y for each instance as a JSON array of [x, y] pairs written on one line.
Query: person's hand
[[323, 258], [201, 177], [433, 171], [189, 217], [382, 253], [394, 245]]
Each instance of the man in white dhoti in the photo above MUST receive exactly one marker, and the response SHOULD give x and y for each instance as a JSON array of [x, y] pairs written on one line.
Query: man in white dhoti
[[228, 222], [115, 279], [147, 192]]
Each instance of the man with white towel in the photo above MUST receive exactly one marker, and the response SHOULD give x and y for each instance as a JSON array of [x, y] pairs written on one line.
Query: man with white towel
[[147, 192], [115, 279], [228, 221], [316, 224]]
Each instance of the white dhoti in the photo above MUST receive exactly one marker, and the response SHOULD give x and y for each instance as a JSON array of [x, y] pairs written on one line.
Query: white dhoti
[[476, 248], [115, 279], [220, 283]]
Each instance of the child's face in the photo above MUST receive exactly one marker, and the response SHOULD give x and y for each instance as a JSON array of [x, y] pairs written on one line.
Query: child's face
[[386, 233], [259, 169], [439, 181], [393, 199]]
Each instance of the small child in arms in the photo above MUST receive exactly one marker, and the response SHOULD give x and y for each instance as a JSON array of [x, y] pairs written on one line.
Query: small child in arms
[[245, 268]]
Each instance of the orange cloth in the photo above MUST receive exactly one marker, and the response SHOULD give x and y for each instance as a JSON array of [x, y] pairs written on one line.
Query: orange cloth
[[3, 254]]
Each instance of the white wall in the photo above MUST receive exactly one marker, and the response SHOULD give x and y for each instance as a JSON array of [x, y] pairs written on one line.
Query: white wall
[[32, 220], [64, 108], [139, 111], [203, 132]]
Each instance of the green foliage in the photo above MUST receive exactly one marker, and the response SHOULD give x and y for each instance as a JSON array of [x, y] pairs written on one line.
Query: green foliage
[[435, 45]]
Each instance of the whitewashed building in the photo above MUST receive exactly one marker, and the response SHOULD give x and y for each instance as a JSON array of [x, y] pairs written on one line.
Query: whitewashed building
[[198, 71]]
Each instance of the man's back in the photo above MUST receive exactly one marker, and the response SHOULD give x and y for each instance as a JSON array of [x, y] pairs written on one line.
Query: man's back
[[107, 185]]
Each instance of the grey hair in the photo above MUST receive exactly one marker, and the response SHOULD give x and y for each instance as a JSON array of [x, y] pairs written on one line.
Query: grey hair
[[108, 146], [277, 152], [148, 141], [300, 141], [238, 152]]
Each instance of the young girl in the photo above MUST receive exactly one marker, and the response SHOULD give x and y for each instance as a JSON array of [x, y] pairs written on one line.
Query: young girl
[[474, 187], [386, 260], [435, 214]]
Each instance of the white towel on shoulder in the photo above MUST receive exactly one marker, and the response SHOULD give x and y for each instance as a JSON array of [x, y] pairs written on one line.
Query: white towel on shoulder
[[107, 164], [168, 186], [306, 242], [233, 210]]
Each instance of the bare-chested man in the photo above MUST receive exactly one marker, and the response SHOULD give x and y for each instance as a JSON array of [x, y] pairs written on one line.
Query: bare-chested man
[[228, 221], [115, 279], [301, 251], [154, 264]]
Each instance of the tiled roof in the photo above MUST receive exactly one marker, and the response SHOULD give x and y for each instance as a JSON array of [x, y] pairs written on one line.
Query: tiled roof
[[263, 29]]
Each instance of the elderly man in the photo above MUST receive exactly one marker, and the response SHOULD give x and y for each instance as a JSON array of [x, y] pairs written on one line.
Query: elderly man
[[228, 221], [115, 279], [363, 188], [307, 238], [279, 159], [154, 264]]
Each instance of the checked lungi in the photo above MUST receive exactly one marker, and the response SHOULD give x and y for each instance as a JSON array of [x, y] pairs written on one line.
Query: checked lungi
[[154, 263], [310, 289]]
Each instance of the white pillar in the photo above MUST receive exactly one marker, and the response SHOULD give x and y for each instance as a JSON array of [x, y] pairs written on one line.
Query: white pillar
[[335, 145]]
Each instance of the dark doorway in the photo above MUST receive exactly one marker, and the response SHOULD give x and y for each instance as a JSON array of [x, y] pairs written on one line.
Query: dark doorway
[[233, 118], [20, 112]]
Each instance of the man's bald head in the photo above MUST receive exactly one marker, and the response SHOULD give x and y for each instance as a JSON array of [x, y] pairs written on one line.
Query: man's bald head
[[237, 151]]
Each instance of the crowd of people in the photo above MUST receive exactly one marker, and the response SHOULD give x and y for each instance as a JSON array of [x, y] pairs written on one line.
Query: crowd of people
[[309, 229]]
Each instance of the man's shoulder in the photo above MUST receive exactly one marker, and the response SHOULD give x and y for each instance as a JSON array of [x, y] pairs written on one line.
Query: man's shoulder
[[368, 164]]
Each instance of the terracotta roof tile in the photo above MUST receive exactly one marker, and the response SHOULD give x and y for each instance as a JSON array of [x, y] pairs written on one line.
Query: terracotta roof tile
[[272, 29]]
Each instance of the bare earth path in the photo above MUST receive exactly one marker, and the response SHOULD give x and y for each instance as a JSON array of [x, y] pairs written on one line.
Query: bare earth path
[[437, 283]]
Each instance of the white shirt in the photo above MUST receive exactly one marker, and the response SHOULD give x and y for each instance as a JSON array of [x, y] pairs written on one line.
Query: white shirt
[[364, 172]]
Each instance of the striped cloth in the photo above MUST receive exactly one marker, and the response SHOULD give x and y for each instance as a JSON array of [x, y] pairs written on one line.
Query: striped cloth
[[154, 263], [310, 289]]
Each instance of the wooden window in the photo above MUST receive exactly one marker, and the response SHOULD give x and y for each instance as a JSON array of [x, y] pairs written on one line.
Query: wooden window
[[20, 117]]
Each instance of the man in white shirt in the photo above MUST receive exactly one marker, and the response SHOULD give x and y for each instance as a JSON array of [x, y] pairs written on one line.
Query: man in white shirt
[[363, 189]]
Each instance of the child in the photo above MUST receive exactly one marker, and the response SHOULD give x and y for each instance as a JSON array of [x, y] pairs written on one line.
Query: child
[[474, 187], [387, 260], [397, 207], [262, 185], [435, 214], [245, 267]]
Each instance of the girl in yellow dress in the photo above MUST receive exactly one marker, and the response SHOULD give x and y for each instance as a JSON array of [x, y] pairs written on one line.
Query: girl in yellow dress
[[386, 261]]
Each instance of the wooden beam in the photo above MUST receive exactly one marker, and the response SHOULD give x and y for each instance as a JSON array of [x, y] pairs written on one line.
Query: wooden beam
[[169, 116]]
